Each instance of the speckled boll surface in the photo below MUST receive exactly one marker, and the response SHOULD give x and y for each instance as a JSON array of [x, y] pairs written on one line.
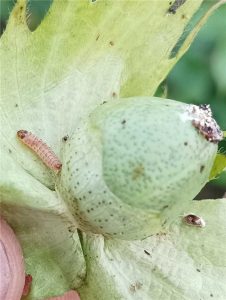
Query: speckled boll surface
[[131, 160]]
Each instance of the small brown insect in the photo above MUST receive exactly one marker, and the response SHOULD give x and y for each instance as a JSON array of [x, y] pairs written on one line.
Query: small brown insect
[[46, 154], [194, 220]]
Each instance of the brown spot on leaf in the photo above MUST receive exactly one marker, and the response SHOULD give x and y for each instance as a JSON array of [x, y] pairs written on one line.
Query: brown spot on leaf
[[202, 168], [65, 138], [135, 286], [146, 252]]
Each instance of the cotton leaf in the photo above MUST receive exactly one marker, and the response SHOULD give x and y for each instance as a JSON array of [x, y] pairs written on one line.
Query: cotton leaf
[[218, 166], [183, 262], [82, 54]]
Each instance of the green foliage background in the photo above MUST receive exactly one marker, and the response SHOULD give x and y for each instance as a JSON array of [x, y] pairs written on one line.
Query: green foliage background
[[199, 77]]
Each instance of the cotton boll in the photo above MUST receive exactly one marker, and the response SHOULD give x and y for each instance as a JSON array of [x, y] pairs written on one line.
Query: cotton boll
[[133, 159]]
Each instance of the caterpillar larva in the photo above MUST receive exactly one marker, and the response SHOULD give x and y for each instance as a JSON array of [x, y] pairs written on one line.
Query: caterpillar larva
[[46, 154]]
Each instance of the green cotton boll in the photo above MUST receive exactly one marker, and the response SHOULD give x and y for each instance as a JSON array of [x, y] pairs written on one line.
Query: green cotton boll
[[132, 160]]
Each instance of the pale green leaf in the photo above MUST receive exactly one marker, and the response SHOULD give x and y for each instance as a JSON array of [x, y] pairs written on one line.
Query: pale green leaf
[[184, 262], [218, 166], [45, 228]]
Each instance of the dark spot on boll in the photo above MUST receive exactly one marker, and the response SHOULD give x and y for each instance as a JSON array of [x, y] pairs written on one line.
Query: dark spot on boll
[[90, 192], [138, 172], [123, 122], [198, 270], [16, 105], [111, 43], [185, 143]]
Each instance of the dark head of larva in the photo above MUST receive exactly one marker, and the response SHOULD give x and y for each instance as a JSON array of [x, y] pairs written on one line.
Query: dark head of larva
[[58, 166], [22, 133]]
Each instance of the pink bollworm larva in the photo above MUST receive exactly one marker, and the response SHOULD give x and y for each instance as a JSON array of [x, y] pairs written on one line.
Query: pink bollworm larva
[[46, 154]]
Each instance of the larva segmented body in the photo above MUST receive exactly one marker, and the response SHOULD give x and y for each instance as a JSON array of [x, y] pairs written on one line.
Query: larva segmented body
[[46, 154]]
